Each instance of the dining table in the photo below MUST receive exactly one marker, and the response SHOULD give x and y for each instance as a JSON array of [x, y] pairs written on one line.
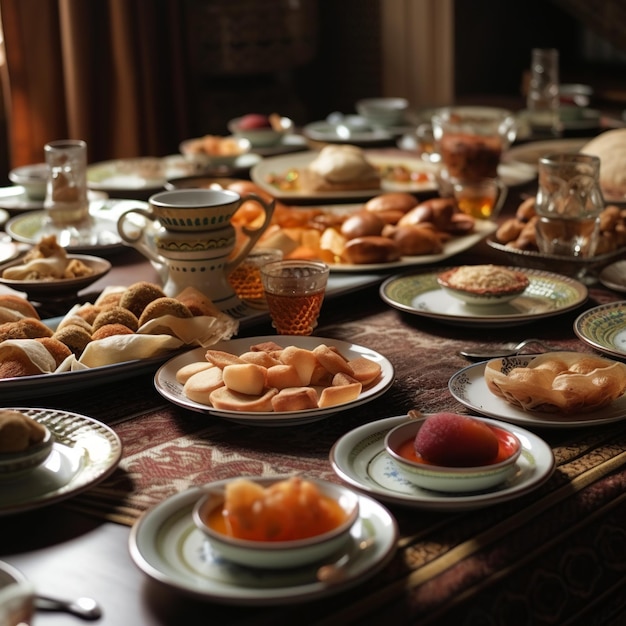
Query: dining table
[[551, 553]]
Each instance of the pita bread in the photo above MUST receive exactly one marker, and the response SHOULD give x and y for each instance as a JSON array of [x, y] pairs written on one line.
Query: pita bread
[[610, 148]]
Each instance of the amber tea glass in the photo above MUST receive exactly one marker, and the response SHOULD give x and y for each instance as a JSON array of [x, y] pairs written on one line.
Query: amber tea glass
[[294, 291], [482, 200], [245, 279]]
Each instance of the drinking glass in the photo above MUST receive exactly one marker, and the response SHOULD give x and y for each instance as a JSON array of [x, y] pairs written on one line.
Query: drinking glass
[[245, 279], [483, 199], [568, 205], [542, 100], [294, 291], [66, 201]]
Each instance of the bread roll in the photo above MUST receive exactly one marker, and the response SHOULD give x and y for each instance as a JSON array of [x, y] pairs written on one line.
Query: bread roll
[[391, 201], [367, 250]]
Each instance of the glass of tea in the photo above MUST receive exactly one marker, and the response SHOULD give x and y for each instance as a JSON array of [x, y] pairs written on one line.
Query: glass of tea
[[482, 199], [294, 291], [245, 279]]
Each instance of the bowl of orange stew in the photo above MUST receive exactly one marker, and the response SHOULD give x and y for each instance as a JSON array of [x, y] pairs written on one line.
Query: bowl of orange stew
[[275, 523]]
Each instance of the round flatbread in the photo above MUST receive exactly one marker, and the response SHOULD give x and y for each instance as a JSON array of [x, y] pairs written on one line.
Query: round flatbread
[[610, 148]]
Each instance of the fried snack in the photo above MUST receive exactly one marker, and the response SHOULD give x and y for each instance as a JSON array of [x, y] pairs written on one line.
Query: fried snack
[[558, 382], [20, 306], [26, 328], [116, 315], [138, 295]]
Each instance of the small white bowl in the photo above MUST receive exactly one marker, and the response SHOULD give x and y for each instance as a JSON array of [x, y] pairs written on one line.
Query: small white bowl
[[262, 137], [33, 178], [14, 464], [383, 111], [279, 554], [453, 479], [486, 297]]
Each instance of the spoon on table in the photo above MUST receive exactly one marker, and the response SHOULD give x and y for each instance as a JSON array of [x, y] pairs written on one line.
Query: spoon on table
[[509, 349], [85, 608], [336, 572]]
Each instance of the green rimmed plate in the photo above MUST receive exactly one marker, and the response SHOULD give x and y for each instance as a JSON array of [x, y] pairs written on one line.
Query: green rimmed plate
[[604, 328], [547, 295]]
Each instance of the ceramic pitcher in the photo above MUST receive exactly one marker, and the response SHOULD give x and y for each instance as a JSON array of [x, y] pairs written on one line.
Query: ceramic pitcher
[[187, 234]]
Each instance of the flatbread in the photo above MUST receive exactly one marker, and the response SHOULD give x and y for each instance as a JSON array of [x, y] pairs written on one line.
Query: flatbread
[[610, 148]]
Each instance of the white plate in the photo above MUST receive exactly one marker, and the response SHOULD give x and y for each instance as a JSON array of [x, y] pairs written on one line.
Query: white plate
[[15, 199], [138, 174], [604, 328], [4, 216], [359, 458], [85, 453], [166, 545], [8, 251], [468, 386], [351, 129], [453, 246], [614, 276], [530, 153], [547, 295], [167, 385], [281, 164], [101, 237]]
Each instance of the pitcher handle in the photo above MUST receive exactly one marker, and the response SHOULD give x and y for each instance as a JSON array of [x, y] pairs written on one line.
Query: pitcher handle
[[138, 240], [253, 234]]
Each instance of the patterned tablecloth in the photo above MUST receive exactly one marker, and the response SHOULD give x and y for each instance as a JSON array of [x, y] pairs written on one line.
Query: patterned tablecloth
[[554, 556]]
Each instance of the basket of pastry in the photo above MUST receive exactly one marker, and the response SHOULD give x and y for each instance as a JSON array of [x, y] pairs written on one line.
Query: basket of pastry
[[123, 324], [557, 382], [516, 237]]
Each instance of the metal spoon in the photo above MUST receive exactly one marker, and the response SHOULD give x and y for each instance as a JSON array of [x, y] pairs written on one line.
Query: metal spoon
[[85, 608], [509, 349], [336, 572]]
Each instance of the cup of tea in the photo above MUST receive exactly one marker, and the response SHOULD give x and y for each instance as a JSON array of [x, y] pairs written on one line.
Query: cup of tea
[[482, 199], [568, 204], [246, 277], [470, 141], [294, 291]]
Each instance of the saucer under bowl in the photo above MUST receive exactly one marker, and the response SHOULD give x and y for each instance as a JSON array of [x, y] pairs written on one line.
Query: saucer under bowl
[[15, 464], [262, 136], [452, 479], [278, 554]]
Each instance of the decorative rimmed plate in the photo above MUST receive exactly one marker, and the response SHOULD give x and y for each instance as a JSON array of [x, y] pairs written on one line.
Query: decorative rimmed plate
[[279, 165], [167, 385], [468, 386], [614, 276], [359, 459], [85, 452], [546, 295], [58, 289], [604, 328], [166, 545], [101, 236]]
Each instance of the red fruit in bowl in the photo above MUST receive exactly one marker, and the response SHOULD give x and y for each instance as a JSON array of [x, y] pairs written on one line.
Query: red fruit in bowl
[[254, 120], [454, 440]]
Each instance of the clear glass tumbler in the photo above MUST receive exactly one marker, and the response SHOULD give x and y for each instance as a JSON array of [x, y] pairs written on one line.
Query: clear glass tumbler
[[568, 205], [542, 100], [66, 201]]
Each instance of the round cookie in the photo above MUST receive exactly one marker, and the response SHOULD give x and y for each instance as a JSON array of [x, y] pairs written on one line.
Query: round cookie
[[116, 315], [74, 337], [164, 306], [111, 330], [139, 295]]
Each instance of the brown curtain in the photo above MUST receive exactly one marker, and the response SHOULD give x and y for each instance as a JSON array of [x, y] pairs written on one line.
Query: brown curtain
[[111, 72]]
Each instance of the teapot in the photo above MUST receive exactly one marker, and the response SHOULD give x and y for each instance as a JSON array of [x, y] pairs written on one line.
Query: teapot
[[188, 236]]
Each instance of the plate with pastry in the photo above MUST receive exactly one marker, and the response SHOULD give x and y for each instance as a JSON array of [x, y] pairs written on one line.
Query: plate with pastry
[[553, 389], [84, 452], [360, 458], [342, 172], [275, 380], [390, 230], [545, 295], [47, 272], [604, 328]]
